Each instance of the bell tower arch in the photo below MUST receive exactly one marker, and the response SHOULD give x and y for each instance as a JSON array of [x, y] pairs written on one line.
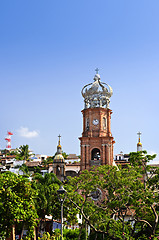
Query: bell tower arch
[[96, 141]]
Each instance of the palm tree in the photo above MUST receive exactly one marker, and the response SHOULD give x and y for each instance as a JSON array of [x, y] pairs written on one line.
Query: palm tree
[[24, 169], [23, 153], [47, 202]]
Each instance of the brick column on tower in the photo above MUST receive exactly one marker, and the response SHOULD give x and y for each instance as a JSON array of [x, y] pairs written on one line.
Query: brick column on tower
[[112, 154], [109, 121], [103, 154], [82, 157], [107, 154], [87, 156]]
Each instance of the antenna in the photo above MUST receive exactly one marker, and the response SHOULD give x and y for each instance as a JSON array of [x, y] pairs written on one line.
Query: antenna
[[8, 139]]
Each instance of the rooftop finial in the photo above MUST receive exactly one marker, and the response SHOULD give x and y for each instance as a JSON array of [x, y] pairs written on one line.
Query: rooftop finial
[[139, 144], [59, 136], [139, 133], [97, 70]]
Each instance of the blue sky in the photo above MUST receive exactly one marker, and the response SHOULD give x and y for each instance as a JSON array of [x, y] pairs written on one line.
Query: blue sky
[[48, 52]]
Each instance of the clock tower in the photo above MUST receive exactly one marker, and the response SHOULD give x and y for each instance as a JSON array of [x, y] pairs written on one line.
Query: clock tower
[[96, 141]]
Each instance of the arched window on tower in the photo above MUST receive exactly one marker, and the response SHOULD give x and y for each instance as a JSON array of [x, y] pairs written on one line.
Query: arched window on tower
[[104, 123], [95, 154], [87, 124], [58, 170]]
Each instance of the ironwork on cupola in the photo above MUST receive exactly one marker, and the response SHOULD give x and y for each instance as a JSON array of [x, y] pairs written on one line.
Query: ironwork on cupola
[[97, 93]]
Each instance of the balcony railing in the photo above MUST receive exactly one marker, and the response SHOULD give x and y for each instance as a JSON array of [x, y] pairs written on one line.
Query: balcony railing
[[95, 162]]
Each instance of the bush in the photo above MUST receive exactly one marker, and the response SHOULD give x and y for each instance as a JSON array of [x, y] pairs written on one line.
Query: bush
[[73, 234]]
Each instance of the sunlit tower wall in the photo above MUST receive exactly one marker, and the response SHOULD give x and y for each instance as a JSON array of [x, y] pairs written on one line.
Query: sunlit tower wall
[[96, 140]]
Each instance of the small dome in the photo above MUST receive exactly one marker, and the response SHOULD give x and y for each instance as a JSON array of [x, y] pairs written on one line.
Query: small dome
[[139, 144], [58, 158]]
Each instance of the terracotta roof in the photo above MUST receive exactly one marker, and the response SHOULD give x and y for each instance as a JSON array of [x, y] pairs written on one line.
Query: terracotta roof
[[8, 157], [74, 164], [154, 165], [32, 164], [72, 156]]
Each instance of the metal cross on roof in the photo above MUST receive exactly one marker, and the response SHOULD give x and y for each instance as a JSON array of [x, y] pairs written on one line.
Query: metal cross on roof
[[139, 133], [97, 70], [59, 136]]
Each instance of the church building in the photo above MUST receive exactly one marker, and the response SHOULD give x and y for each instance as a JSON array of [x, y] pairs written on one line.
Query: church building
[[96, 141]]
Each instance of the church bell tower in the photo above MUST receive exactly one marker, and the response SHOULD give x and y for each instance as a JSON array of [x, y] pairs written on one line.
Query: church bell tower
[[96, 141], [59, 163]]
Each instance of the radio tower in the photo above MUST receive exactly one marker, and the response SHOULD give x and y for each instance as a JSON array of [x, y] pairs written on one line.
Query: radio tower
[[8, 139]]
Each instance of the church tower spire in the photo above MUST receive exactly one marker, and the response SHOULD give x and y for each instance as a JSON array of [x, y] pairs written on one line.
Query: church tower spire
[[59, 162], [139, 144], [59, 148], [96, 141]]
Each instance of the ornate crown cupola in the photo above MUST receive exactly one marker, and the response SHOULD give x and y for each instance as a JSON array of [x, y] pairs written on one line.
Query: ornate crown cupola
[[97, 94], [59, 162], [96, 141]]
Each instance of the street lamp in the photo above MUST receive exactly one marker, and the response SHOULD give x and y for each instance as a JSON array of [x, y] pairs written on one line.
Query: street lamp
[[61, 191]]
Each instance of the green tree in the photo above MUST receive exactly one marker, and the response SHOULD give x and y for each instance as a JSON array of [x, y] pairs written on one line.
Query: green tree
[[120, 193], [49, 160], [150, 178], [73, 234], [46, 200], [24, 169], [141, 160], [5, 151], [23, 153], [47, 236], [65, 155], [16, 203]]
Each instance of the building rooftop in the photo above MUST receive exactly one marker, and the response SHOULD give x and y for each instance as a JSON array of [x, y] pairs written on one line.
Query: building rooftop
[[33, 164], [72, 156]]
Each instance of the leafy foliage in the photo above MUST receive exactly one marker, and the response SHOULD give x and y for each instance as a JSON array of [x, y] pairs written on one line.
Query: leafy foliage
[[47, 202], [116, 203], [46, 199], [23, 153], [123, 194], [24, 169], [47, 236], [73, 234], [16, 203]]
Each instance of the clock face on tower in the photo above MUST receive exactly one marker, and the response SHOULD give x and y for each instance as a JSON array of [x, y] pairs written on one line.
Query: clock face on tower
[[95, 122]]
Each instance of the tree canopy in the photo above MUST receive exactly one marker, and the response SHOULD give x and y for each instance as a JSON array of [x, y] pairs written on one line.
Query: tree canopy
[[16, 203], [23, 153], [46, 188], [114, 201], [117, 203]]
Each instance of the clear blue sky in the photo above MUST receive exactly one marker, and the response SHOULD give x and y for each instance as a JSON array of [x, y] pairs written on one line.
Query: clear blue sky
[[48, 52]]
